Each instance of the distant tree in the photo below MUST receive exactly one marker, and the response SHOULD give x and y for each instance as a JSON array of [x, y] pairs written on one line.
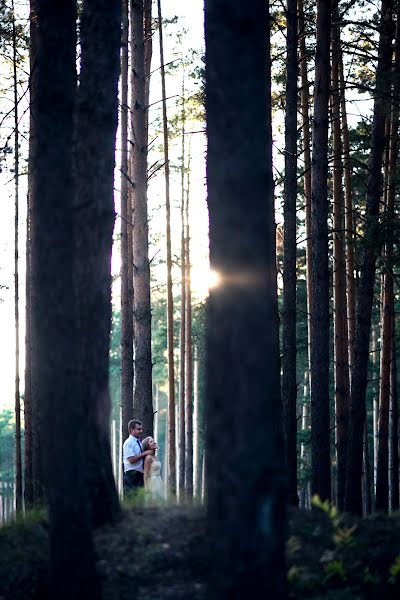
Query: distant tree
[[170, 302], [245, 496]]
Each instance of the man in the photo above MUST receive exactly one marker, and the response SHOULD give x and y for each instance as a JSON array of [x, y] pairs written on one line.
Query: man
[[134, 456]]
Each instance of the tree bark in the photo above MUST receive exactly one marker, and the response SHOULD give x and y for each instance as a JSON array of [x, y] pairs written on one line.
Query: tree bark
[[353, 499], [341, 363], [320, 427], [143, 389], [242, 349], [34, 400], [18, 450], [126, 226], [96, 124], [170, 305], [188, 354], [348, 219], [28, 474], [182, 348], [289, 382], [387, 342], [394, 428], [72, 564], [305, 105]]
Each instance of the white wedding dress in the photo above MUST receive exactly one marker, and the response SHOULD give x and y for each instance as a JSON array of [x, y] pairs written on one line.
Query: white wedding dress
[[154, 484]]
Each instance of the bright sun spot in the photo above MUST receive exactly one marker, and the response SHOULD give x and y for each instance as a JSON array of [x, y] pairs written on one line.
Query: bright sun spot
[[203, 280], [214, 279]]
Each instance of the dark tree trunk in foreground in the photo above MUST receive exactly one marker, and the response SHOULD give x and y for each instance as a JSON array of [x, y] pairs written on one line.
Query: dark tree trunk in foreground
[[143, 392], [126, 226], [245, 497], [320, 429], [370, 250], [96, 123], [289, 383], [72, 566]]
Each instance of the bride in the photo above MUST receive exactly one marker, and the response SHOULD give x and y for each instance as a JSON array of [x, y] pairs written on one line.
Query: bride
[[153, 484]]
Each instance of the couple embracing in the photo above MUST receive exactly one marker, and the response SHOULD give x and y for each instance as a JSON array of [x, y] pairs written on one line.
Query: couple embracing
[[141, 465]]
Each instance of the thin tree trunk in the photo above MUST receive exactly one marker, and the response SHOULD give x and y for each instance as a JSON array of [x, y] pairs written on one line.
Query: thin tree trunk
[[72, 562], [394, 429], [320, 427], [367, 474], [28, 488], [126, 225], [170, 306], [18, 454], [96, 124], [188, 354], [341, 364], [182, 348], [375, 404], [348, 218], [196, 427], [289, 383], [242, 349], [143, 389], [353, 500], [305, 104]]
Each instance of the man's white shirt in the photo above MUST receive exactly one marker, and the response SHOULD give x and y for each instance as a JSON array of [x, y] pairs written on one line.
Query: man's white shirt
[[132, 447]]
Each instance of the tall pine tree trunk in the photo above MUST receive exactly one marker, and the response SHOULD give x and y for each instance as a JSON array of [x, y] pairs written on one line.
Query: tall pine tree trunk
[[353, 499], [320, 428], [188, 354], [170, 304], [126, 226], [394, 428], [242, 349], [305, 105], [72, 563], [348, 216], [28, 475], [35, 404], [182, 346], [386, 393], [96, 124], [18, 450], [341, 365], [142, 395], [289, 383]]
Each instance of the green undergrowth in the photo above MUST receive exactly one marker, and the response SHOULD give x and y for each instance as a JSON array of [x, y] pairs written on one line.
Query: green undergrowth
[[161, 552]]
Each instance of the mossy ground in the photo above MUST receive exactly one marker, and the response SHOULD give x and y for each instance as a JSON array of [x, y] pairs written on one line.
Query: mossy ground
[[161, 553]]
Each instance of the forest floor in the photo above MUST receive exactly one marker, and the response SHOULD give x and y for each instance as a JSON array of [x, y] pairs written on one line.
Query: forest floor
[[161, 553]]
